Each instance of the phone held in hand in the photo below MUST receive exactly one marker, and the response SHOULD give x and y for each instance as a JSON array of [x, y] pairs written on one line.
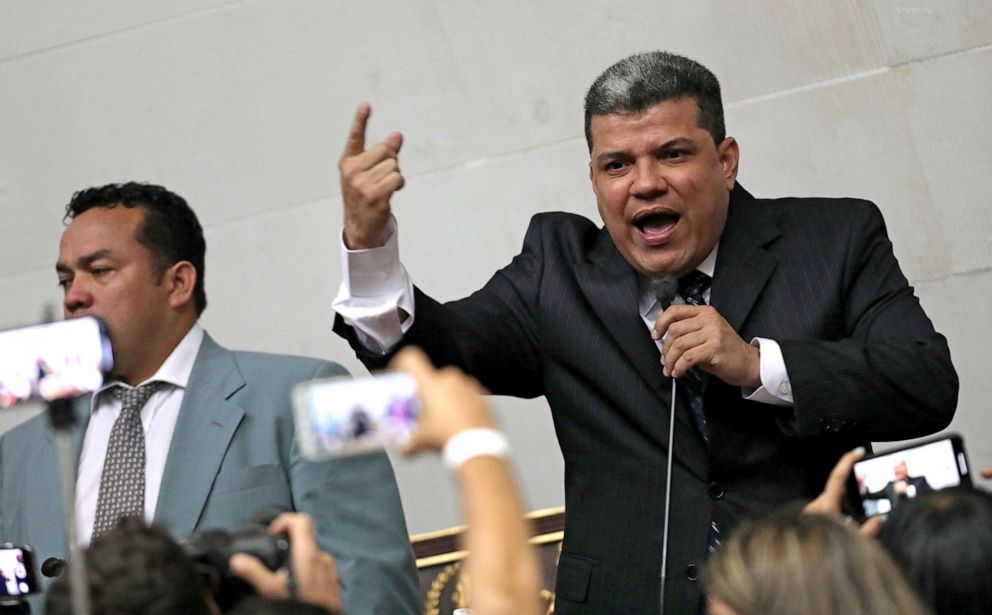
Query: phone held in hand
[[344, 416], [17, 572], [879, 482], [53, 361]]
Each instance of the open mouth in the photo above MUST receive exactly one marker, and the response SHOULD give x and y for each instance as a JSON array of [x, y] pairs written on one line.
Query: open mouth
[[656, 226]]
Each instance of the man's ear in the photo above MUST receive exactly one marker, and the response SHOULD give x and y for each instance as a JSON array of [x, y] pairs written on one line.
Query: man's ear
[[592, 179], [181, 278], [730, 156]]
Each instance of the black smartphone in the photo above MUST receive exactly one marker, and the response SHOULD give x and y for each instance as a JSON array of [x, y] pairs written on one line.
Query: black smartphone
[[879, 482], [17, 571], [54, 360]]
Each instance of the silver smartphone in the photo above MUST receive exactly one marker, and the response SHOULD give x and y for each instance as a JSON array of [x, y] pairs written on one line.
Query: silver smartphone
[[343, 416], [53, 360]]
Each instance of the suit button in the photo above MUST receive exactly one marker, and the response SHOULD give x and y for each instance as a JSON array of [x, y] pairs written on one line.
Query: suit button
[[715, 490], [692, 572]]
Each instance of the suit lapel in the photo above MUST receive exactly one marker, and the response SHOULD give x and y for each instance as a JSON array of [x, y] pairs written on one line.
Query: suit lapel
[[610, 285], [743, 263], [208, 418]]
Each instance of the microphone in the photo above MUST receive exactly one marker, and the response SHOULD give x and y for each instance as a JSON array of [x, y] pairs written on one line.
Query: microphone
[[52, 567], [665, 289]]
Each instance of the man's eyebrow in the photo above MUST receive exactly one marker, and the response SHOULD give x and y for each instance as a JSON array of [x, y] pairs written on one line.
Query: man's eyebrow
[[84, 260], [677, 141]]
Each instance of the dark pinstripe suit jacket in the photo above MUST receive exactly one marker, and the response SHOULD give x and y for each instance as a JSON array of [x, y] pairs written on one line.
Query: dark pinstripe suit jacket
[[561, 320]]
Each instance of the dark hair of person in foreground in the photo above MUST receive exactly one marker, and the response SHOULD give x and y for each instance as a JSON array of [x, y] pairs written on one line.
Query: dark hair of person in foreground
[[943, 542], [792, 563], [254, 605], [135, 569]]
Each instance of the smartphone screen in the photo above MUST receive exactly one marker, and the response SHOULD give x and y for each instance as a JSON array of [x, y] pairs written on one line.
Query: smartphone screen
[[17, 577], [342, 416], [53, 361], [880, 482]]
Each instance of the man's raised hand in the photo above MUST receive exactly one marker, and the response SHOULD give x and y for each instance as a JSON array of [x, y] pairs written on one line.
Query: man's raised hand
[[369, 177]]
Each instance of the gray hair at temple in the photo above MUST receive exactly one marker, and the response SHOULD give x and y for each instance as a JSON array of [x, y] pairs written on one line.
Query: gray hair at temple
[[641, 81]]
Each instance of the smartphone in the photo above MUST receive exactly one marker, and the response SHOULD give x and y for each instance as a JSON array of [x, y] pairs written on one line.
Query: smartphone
[[53, 360], [17, 572], [879, 482], [342, 416]]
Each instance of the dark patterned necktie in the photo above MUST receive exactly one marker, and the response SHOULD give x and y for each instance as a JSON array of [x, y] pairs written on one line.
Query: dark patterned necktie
[[122, 483], [691, 288], [690, 385]]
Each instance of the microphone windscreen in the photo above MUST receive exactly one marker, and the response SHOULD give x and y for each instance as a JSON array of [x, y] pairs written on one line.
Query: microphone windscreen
[[665, 289], [52, 567]]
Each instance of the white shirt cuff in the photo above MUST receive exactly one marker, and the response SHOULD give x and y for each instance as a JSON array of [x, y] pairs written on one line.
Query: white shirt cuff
[[775, 387], [374, 287]]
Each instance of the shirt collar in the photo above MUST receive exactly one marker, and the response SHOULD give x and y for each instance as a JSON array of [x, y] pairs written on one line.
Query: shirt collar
[[648, 303], [178, 366]]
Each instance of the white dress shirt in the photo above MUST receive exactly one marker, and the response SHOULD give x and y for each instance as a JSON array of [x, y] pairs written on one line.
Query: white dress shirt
[[374, 284], [158, 418]]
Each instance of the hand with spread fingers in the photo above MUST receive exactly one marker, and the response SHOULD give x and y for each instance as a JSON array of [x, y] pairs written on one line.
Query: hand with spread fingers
[[699, 335], [369, 177], [314, 577]]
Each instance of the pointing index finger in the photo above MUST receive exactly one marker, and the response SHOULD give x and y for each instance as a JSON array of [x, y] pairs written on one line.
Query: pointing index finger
[[356, 134]]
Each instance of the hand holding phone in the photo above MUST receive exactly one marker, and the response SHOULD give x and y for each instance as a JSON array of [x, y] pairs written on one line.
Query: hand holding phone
[[451, 402], [17, 571], [878, 483]]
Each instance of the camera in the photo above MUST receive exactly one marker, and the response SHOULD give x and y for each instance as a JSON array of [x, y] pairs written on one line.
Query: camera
[[211, 549]]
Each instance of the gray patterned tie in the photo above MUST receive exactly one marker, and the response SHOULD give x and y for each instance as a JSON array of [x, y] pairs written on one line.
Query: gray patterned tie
[[122, 483]]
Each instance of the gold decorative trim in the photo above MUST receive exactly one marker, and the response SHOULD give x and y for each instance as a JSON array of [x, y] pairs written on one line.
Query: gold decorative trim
[[458, 529], [454, 556], [444, 558]]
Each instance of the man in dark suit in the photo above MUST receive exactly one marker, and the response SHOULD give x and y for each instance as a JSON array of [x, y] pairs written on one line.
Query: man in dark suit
[[214, 442], [901, 487], [793, 336]]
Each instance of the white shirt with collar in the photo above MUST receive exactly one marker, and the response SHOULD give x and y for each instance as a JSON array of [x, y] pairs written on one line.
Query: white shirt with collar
[[374, 284], [158, 418]]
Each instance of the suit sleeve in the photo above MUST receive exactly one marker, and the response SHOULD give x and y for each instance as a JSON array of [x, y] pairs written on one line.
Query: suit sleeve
[[890, 377], [356, 507], [492, 334]]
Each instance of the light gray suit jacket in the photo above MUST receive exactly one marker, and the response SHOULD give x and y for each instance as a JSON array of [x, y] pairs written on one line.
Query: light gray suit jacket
[[234, 453]]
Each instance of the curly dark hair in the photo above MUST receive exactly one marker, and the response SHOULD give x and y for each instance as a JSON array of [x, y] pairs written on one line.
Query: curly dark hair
[[169, 229], [135, 569]]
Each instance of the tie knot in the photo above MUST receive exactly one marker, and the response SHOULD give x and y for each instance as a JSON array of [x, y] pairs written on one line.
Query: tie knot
[[135, 398], [692, 286]]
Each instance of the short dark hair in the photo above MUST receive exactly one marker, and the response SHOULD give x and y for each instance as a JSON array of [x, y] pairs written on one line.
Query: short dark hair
[[942, 540], [135, 569], [641, 81], [170, 228]]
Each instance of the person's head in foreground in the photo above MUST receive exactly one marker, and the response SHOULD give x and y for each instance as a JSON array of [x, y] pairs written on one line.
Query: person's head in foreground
[[943, 543], [135, 569], [804, 564]]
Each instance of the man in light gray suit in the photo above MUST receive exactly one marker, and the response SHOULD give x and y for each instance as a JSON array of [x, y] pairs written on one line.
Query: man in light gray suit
[[215, 437]]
